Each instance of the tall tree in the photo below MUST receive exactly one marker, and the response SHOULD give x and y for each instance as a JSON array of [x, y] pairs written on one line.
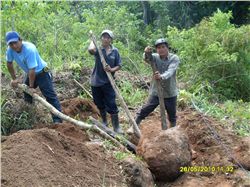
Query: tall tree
[[146, 12]]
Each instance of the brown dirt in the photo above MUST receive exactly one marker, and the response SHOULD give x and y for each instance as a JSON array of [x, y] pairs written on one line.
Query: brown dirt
[[61, 156], [208, 151], [64, 156], [79, 108]]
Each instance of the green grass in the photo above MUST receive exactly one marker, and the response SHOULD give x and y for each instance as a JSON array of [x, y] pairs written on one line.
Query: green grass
[[132, 95], [122, 155]]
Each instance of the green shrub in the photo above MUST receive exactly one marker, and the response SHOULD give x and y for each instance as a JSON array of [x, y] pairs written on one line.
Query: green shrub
[[215, 53], [11, 122], [132, 95]]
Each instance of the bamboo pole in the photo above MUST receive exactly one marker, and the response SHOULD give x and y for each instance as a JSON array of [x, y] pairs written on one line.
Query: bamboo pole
[[149, 58], [110, 77], [81, 124]]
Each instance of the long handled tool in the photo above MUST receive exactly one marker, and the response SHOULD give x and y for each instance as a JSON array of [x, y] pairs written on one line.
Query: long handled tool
[[110, 77], [149, 58]]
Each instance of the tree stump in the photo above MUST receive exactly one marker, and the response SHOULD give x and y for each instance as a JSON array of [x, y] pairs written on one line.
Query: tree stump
[[166, 153]]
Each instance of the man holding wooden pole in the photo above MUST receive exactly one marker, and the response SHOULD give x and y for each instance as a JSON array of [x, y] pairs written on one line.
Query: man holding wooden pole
[[26, 55], [166, 65], [102, 91]]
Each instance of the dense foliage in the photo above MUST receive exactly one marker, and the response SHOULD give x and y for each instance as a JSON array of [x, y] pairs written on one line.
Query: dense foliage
[[214, 51], [215, 56]]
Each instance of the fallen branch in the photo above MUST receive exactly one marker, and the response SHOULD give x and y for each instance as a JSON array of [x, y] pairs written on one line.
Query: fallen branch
[[81, 124], [84, 89], [130, 146]]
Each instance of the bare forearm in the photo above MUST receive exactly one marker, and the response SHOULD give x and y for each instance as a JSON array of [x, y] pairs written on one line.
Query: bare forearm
[[11, 70], [92, 48], [32, 77], [116, 68]]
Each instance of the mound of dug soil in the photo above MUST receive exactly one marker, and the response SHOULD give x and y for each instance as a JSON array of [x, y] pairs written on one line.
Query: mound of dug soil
[[208, 151], [79, 108], [62, 156]]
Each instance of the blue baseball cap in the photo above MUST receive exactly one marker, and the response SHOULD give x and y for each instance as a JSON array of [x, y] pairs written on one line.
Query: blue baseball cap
[[12, 36]]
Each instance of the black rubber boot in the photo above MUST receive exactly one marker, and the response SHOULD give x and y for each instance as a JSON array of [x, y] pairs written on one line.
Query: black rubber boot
[[115, 123], [172, 124], [138, 121], [103, 114]]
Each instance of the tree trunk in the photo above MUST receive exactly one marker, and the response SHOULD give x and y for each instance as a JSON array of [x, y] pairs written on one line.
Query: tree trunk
[[146, 12]]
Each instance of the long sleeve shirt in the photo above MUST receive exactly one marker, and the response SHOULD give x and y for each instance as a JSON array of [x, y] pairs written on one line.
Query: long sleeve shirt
[[167, 68]]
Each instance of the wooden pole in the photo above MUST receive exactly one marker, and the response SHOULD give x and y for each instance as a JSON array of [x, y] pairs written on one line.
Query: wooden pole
[[149, 58], [130, 146], [84, 89], [110, 77], [81, 124]]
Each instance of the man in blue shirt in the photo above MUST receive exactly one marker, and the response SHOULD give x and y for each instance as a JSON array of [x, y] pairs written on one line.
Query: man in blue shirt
[[27, 57], [102, 91]]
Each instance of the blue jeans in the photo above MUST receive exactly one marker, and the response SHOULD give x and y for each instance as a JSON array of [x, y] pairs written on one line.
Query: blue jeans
[[153, 102], [104, 98], [44, 82]]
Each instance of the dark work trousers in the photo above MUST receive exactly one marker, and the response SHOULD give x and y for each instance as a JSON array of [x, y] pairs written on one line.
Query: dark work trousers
[[104, 98], [153, 102], [44, 82]]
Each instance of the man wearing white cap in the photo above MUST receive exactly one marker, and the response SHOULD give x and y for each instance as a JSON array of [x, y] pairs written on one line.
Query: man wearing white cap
[[102, 91]]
